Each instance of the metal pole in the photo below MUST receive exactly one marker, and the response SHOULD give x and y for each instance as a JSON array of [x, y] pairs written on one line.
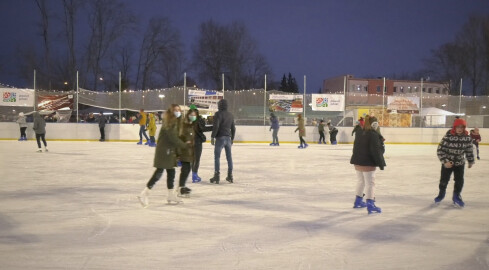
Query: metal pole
[[265, 102], [344, 94], [184, 90], [304, 98], [460, 96], [35, 94], [421, 105], [383, 99], [77, 90], [120, 93], [223, 86]]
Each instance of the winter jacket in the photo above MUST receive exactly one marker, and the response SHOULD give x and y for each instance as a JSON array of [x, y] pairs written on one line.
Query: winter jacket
[[143, 117], [223, 121], [152, 125], [187, 134], [357, 128], [101, 121], [168, 142], [199, 129], [274, 122], [301, 128], [453, 147], [21, 121], [39, 124], [475, 137], [321, 127], [368, 149]]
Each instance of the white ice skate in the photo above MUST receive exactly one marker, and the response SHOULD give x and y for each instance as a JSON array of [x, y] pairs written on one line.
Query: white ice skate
[[46, 149], [143, 197], [39, 150], [172, 197]]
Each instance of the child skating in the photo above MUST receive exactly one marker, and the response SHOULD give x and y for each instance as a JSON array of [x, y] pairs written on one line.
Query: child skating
[[23, 126], [454, 148], [151, 130], [186, 155], [476, 138], [302, 131], [322, 138]]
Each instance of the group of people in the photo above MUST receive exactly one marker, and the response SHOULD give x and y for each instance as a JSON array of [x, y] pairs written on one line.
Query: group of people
[[180, 142], [275, 126]]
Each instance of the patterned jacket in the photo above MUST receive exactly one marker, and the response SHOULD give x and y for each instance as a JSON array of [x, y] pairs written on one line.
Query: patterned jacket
[[453, 147]]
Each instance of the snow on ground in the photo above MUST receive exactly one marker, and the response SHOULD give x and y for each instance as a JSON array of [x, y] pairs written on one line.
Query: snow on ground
[[76, 208]]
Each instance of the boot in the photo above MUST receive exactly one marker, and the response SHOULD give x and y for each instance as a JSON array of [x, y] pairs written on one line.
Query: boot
[[143, 197], [215, 179], [440, 197], [457, 200], [140, 142], [195, 178], [359, 203], [371, 208], [230, 177], [172, 197]]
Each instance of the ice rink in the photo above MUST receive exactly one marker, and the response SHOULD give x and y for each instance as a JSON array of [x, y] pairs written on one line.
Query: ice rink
[[75, 207]]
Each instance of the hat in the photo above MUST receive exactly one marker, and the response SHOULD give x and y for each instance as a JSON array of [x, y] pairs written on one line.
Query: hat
[[459, 122], [193, 107], [21, 114], [374, 125]]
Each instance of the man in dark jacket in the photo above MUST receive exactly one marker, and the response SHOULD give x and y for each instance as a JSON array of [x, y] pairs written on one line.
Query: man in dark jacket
[[101, 125], [222, 137]]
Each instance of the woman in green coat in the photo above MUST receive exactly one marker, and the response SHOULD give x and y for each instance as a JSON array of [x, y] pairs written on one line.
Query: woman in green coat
[[186, 155], [165, 155], [302, 131]]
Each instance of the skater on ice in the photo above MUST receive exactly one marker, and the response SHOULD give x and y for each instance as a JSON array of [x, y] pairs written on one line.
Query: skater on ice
[[165, 155], [358, 127], [199, 138], [101, 125], [23, 126], [223, 133], [476, 138], [332, 133], [302, 131], [186, 154], [454, 148], [275, 126], [142, 118], [40, 130], [152, 130], [321, 132], [368, 153]]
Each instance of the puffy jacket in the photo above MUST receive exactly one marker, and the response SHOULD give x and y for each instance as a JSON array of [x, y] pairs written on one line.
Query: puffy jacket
[[142, 119], [168, 142], [223, 121], [39, 124], [368, 149], [152, 125], [199, 129], [453, 147]]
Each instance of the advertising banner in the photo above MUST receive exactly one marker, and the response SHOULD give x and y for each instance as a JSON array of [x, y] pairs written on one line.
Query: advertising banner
[[55, 102], [285, 103], [324, 102], [17, 97], [403, 104], [205, 99]]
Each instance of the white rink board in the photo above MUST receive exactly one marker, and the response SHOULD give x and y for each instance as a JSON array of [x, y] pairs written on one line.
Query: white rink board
[[75, 207]]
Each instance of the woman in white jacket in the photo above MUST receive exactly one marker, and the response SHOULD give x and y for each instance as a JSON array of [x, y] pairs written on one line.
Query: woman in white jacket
[[23, 126]]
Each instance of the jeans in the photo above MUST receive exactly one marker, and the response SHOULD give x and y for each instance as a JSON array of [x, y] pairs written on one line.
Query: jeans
[[43, 137], [458, 172], [223, 142], [170, 177], [275, 136], [142, 131], [197, 155]]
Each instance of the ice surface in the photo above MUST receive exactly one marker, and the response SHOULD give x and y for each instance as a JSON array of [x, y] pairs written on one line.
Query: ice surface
[[76, 208]]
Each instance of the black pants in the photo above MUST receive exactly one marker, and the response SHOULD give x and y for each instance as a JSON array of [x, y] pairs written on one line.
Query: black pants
[[321, 137], [170, 178], [477, 147], [197, 155], [332, 136], [302, 140], [184, 172], [22, 132], [275, 136], [39, 137], [102, 133], [458, 172]]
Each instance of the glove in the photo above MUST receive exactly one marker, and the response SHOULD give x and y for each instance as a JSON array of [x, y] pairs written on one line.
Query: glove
[[213, 141], [179, 163]]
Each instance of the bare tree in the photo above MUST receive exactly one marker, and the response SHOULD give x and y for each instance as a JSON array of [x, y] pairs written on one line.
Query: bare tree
[[45, 33], [70, 8], [109, 21]]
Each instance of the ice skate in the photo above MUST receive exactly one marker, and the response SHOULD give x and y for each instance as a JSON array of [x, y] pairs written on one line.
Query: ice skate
[[140, 142], [172, 197], [20, 139], [195, 178], [184, 192], [478, 158], [229, 178], [215, 179], [39, 150], [46, 149], [334, 143], [143, 197], [457, 200], [273, 144], [359, 203], [306, 145], [440, 197], [372, 208], [147, 143], [300, 146]]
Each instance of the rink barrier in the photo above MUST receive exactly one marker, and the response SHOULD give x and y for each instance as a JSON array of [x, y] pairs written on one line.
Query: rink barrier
[[244, 134]]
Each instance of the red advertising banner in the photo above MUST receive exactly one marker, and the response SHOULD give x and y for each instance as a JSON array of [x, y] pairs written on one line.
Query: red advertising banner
[[55, 102]]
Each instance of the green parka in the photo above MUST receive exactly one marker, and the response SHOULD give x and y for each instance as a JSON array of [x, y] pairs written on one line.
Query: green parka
[[168, 143], [187, 133]]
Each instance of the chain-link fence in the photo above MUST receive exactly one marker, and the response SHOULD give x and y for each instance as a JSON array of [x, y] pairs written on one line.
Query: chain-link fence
[[250, 107]]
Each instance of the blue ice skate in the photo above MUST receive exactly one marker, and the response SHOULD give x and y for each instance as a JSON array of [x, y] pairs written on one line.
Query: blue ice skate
[[273, 144], [306, 145], [457, 200], [334, 143], [300, 146], [140, 142], [359, 203], [440, 197], [196, 178], [372, 208], [147, 143]]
